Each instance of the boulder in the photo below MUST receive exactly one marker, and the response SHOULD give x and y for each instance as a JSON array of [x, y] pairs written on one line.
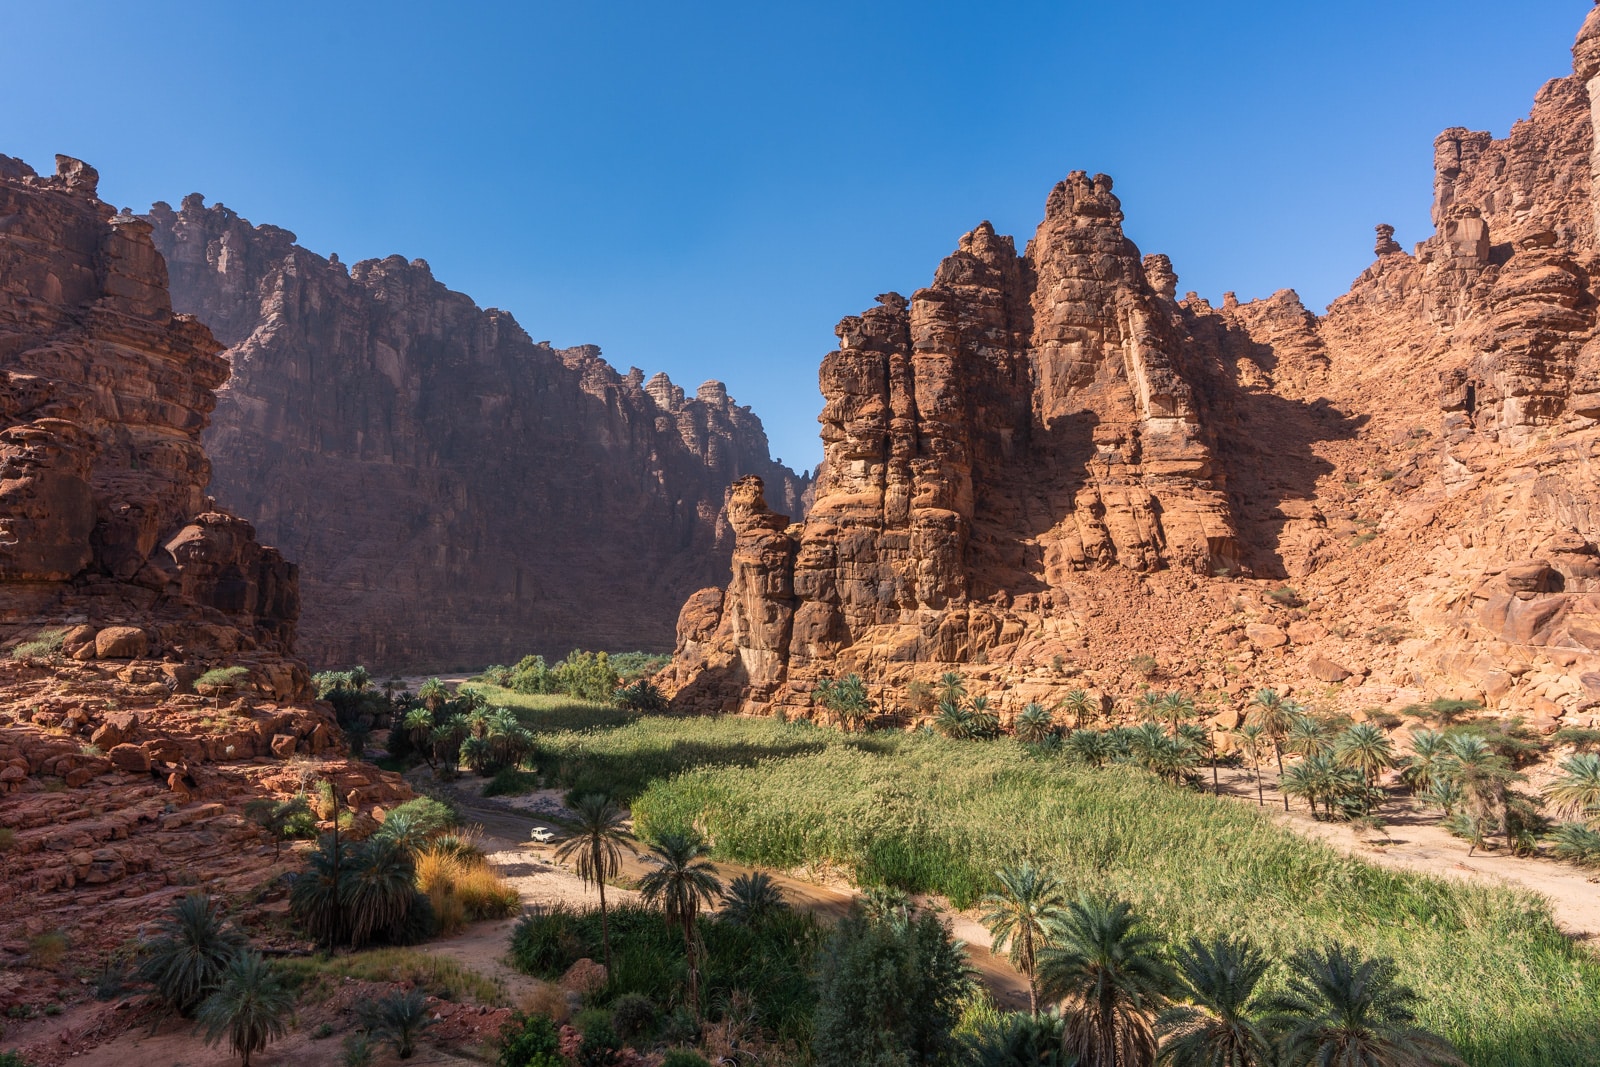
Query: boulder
[[1264, 636], [131, 758], [121, 642], [1326, 670]]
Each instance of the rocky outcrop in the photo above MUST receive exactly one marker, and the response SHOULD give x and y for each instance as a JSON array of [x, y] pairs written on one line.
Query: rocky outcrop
[[457, 493], [121, 584], [1049, 472]]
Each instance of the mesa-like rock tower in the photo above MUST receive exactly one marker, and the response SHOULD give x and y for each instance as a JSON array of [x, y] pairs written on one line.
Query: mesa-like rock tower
[[122, 585], [1046, 467], [456, 493]]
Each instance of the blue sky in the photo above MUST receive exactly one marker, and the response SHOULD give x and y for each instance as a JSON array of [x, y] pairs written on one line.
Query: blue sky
[[706, 188]]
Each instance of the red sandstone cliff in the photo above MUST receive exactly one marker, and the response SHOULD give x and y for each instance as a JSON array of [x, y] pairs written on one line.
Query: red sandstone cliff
[[120, 584], [1044, 465], [456, 493]]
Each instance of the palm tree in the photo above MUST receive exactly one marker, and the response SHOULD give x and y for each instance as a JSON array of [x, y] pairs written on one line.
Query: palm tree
[[847, 699], [376, 889], [1034, 724], [316, 896], [433, 695], [1365, 748], [1020, 915], [1223, 1024], [1484, 776], [751, 899], [418, 725], [951, 687], [1078, 703], [1342, 1009], [1250, 741], [250, 1005], [985, 723], [1177, 706], [1090, 746], [596, 849], [1016, 1039], [1151, 705], [1269, 711], [1427, 761], [399, 1018], [192, 951], [954, 721], [1308, 738], [1106, 969], [1576, 794], [681, 882]]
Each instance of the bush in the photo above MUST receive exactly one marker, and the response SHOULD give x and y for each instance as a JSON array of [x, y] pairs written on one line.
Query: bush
[[634, 1016], [43, 643], [429, 815], [642, 696], [529, 1041], [453, 880], [512, 782], [599, 1047], [889, 992]]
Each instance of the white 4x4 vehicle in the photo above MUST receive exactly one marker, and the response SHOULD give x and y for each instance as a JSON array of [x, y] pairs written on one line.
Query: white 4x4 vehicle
[[542, 835]]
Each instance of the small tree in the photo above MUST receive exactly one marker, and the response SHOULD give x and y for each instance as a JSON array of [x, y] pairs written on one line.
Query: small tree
[[847, 698], [681, 882], [281, 819], [250, 1007]]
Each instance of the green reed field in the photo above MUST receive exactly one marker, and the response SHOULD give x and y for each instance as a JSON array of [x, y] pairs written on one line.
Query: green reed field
[[932, 815]]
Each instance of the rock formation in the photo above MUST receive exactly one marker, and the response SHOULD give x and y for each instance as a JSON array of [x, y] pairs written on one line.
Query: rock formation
[[1045, 466], [456, 493], [121, 583]]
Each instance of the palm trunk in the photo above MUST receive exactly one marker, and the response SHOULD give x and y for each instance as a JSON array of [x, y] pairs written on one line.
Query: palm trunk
[[1216, 785], [1261, 797], [694, 974], [1278, 752], [1027, 958], [605, 929]]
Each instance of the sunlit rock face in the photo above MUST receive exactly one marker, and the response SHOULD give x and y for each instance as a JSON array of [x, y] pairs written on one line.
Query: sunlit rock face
[[1047, 464]]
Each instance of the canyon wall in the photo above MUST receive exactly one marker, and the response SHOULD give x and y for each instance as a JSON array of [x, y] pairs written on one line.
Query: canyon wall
[[1047, 467], [122, 586], [456, 493]]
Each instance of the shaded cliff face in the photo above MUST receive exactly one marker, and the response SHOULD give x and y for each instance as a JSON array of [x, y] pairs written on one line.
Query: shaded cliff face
[[456, 493], [103, 513], [121, 585], [1045, 465]]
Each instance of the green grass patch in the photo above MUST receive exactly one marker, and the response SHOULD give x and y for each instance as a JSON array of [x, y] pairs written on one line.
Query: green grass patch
[[437, 975], [624, 761], [554, 712], [925, 814]]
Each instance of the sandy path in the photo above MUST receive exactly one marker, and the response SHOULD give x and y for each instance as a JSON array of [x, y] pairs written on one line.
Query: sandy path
[[1417, 843], [533, 870]]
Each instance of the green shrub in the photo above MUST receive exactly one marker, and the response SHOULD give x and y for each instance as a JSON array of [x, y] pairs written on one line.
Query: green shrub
[[641, 696], [886, 990], [13, 1059], [429, 815], [43, 643], [529, 1041], [633, 1016], [399, 1019], [511, 782], [599, 1047]]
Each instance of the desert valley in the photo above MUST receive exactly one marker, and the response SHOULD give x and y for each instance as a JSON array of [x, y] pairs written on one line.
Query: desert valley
[[1137, 679]]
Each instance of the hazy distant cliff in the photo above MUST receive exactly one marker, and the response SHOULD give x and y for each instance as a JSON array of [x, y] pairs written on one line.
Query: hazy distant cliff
[[454, 492]]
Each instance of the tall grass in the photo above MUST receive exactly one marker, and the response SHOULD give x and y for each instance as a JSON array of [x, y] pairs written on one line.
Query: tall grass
[[463, 888], [930, 815], [438, 975]]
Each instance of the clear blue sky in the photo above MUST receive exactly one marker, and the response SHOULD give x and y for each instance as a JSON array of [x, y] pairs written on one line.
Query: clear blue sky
[[706, 188]]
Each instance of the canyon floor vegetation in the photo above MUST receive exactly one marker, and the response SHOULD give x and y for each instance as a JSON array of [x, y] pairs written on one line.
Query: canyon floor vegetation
[[921, 813]]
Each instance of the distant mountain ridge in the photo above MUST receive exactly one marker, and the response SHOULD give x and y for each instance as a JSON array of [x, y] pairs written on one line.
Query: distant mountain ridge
[[454, 492]]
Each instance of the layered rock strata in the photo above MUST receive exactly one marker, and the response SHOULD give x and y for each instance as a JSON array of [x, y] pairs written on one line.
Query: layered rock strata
[[1049, 472], [457, 493], [122, 585]]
